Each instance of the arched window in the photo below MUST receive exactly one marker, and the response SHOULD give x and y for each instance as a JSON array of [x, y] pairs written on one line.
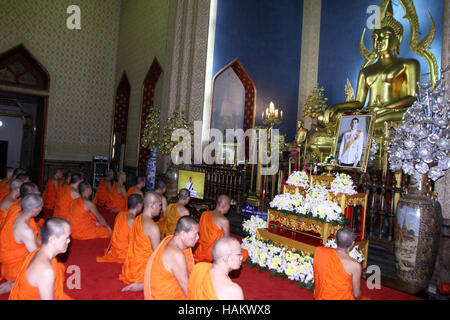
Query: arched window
[[148, 101]]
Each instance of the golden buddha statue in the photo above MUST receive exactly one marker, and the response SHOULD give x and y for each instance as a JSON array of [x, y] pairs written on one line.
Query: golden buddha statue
[[390, 82]]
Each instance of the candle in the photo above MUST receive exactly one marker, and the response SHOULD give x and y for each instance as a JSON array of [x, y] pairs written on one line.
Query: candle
[[272, 107], [281, 112], [262, 117], [276, 113]]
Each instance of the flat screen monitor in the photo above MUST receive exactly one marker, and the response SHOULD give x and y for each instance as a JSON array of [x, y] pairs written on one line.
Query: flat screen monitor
[[193, 181]]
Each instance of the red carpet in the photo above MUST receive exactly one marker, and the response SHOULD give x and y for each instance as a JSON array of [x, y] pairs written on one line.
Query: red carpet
[[100, 281]]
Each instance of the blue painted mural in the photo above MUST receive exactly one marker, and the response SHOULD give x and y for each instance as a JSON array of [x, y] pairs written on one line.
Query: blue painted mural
[[342, 24], [265, 35]]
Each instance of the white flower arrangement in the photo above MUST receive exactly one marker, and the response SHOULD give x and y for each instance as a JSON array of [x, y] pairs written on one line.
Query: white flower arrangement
[[294, 266], [315, 205], [343, 183], [354, 253], [298, 179]]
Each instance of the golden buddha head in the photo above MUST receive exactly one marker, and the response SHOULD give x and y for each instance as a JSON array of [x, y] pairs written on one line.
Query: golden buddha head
[[389, 36]]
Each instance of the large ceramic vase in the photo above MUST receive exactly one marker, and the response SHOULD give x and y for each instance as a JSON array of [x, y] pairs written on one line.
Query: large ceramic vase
[[171, 178], [417, 233], [151, 170]]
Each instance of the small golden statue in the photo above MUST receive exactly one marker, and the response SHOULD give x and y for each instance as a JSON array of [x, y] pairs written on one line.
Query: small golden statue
[[349, 92], [300, 137], [390, 82]]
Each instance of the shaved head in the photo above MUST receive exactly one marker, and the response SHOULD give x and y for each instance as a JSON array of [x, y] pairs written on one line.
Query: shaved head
[[76, 178], [31, 202], [23, 177], [160, 185], [83, 186], [53, 227], [151, 198], [223, 247], [184, 194], [223, 200], [28, 188], [140, 179], [134, 200], [185, 224], [345, 238], [15, 184]]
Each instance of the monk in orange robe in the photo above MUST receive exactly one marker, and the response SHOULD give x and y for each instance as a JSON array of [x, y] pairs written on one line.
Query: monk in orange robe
[[167, 272], [210, 281], [144, 239], [4, 183], [116, 201], [41, 276], [25, 189], [118, 245], [68, 194], [85, 220], [18, 238], [175, 211], [10, 198], [137, 188], [49, 194], [103, 189], [213, 225], [336, 275], [161, 188]]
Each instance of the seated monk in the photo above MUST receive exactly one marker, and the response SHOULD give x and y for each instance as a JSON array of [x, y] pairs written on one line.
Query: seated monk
[[175, 211], [10, 198], [137, 188], [25, 189], [118, 245], [116, 201], [144, 239], [61, 184], [4, 183], [49, 194], [85, 220], [69, 193], [161, 188], [213, 225], [210, 281], [104, 188], [41, 276], [337, 276], [18, 238], [167, 272]]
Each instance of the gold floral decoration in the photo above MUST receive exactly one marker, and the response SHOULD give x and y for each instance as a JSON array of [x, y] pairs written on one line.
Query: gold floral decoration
[[177, 120], [315, 103], [150, 136]]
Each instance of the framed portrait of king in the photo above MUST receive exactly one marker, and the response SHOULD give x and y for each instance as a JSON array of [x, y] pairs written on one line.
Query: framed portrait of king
[[353, 140]]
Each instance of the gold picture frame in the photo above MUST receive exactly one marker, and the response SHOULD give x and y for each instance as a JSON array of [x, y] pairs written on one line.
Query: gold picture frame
[[353, 140]]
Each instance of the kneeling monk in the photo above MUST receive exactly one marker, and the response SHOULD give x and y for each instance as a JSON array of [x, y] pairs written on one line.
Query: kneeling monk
[[116, 201], [175, 211], [41, 276], [68, 193], [210, 281], [137, 188], [213, 225], [49, 194], [10, 198], [118, 245], [167, 271], [18, 238], [337, 276], [85, 220], [144, 239], [104, 188]]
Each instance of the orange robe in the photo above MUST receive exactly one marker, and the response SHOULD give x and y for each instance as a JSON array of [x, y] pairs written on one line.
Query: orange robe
[[209, 233], [12, 254], [172, 217], [22, 290], [160, 284], [102, 194], [129, 193], [331, 281], [118, 245], [83, 223], [12, 209], [200, 285], [161, 223], [59, 190], [139, 251], [49, 195], [4, 190], [116, 200], [62, 204]]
